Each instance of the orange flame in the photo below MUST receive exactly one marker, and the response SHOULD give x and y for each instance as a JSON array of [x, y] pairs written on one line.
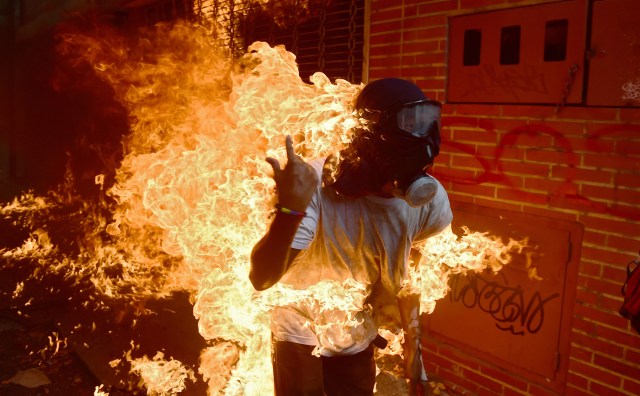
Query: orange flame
[[193, 194]]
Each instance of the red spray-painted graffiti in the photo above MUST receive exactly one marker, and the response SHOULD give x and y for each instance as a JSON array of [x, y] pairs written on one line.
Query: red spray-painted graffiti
[[618, 146]]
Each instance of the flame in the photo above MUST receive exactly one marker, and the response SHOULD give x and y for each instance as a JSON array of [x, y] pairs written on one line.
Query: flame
[[446, 253], [160, 376], [193, 194]]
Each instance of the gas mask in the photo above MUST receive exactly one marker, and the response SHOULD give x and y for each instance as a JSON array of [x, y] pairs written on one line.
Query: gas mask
[[398, 139]]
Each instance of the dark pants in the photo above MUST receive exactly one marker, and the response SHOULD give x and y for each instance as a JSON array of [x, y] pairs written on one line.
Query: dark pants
[[297, 372]]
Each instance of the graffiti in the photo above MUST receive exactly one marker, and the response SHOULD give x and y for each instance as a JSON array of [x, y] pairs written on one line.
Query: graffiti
[[506, 305], [631, 91], [567, 191], [512, 81]]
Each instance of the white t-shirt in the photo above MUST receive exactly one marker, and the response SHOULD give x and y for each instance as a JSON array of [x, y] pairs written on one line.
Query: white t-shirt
[[367, 239]]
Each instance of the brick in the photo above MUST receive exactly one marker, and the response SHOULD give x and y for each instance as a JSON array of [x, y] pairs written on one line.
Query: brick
[[464, 161], [624, 244], [502, 124], [589, 144], [478, 3], [452, 121], [524, 197], [437, 23], [627, 196], [382, 4], [576, 381], [577, 203], [567, 128], [611, 162], [622, 132], [493, 152], [461, 383], [592, 269], [385, 14], [617, 195], [598, 192], [504, 377], [612, 226], [600, 316], [599, 389], [478, 109], [386, 50], [624, 336], [436, 58], [381, 73], [483, 381], [475, 189], [531, 136], [616, 274], [581, 354], [594, 238], [492, 203], [441, 362], [444, 159], [463, 360], [514, 182], [627, 179], [595, 373], [429, 33], [420, 70], [610, 303], [455, 175], [547, 185], [388, 38], [584, 326], [630, 386], [475, 136], [632, 356], [409, 10], [627, 147], [420, 47], [620, 367], [631, 213], [430, 84], [486, 392], [604, 256], [631, 116], [586, 297], [410, 35], [581, 174], [574, 391], [384, 25], [603, 286], [530, 112], [588, 113], [440, 6], [524, 168]]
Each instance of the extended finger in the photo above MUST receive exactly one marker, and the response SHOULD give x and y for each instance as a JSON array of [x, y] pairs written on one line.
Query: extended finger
[[275, 164], [291, 155]]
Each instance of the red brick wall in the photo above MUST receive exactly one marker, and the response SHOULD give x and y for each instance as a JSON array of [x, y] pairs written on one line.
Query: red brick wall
[[581, 164]]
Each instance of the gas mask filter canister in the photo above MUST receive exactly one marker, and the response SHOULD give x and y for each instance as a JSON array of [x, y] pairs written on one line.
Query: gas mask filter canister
[[420, 192]]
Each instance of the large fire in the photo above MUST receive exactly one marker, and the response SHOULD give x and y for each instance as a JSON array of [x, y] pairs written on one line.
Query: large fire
[[193, 194]]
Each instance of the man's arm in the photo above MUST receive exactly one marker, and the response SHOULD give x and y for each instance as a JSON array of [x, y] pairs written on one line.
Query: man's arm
[[272, 255]]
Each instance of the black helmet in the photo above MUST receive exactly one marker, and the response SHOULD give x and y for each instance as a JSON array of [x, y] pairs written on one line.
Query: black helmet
[[400, 137]]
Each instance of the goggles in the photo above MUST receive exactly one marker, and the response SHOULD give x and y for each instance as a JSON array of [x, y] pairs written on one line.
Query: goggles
[[417, 118]]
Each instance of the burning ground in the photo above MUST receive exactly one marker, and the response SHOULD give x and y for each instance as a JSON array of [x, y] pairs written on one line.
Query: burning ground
[[147, 264]]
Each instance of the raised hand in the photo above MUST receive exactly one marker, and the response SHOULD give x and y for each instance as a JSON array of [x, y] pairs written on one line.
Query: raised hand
[[296, 183]]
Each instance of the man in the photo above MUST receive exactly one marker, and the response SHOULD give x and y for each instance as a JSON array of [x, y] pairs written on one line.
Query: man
[[354, 217]]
